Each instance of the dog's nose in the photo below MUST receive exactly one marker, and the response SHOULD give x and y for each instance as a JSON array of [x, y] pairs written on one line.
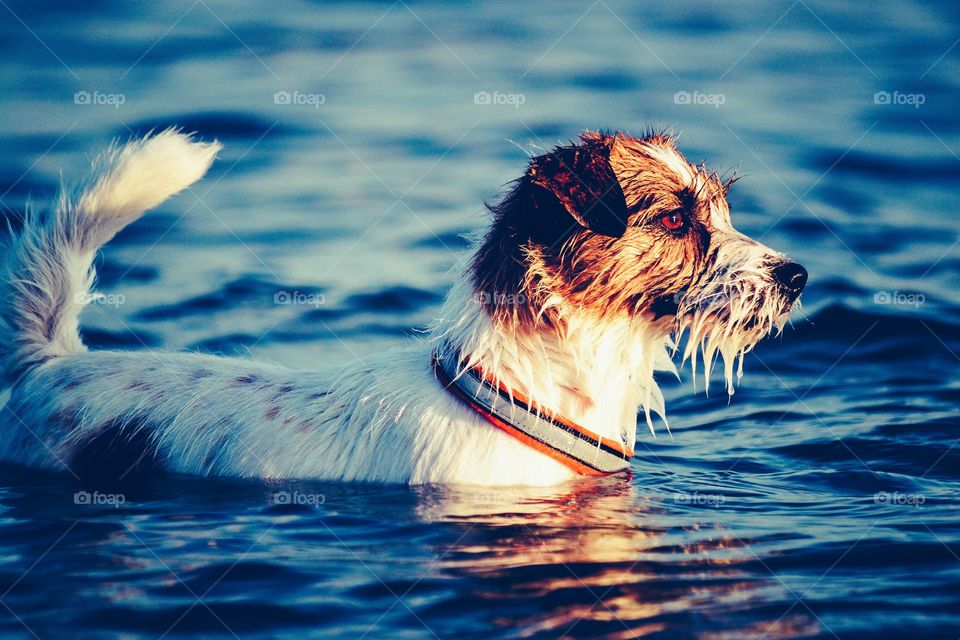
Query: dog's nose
[[792, 277]]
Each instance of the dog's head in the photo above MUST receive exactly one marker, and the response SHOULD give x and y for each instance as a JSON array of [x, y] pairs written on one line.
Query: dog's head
[[616, 226]]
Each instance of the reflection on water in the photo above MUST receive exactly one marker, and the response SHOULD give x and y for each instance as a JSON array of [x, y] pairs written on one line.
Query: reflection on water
[[820, 501], [596, 558]]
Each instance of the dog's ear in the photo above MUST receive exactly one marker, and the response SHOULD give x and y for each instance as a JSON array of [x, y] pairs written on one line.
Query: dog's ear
[[580, 179]]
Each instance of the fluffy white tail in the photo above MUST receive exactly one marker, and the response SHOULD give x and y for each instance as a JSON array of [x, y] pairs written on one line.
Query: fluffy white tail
[[48, 264]]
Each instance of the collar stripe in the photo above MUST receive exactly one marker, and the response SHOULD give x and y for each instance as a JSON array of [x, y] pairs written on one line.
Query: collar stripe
[[573, 429], [577, 448]]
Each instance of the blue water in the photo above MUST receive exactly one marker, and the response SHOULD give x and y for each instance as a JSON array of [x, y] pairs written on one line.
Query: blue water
[[822, 501]]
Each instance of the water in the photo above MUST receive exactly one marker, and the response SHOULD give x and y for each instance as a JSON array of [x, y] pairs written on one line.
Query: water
[[820, 502]]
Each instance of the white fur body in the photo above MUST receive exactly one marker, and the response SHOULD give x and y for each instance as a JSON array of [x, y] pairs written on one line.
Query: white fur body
[[387, 421], [384, 419]]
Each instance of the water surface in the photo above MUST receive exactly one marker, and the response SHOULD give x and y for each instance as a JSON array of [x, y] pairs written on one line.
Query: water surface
[[821, 501]]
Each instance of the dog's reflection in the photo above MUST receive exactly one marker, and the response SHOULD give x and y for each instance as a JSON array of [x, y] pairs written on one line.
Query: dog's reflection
[[598, 559], [589, 521]]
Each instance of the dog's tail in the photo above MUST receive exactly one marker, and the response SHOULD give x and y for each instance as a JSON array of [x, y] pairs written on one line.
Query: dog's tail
[[47, 267]]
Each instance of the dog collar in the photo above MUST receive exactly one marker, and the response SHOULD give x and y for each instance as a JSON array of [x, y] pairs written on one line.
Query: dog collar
[[577, 448]]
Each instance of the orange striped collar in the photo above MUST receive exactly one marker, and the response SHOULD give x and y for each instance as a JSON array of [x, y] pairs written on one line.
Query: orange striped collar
[[577, 448]]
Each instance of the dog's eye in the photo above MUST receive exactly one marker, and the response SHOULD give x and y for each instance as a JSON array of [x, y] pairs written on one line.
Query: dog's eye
[[673, 221]]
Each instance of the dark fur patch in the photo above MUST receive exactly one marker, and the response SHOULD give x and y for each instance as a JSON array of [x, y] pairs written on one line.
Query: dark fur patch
[[211, 458], [281, 391], [580, 179], [72, 381], [562, 193], [249, 378], [66, 418], [306, 426], [117, 450]]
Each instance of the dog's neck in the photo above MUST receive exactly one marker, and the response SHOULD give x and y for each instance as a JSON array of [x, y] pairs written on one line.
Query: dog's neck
[[595, 374]]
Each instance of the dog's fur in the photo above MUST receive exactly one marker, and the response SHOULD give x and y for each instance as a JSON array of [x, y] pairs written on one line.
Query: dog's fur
[[576, 295]]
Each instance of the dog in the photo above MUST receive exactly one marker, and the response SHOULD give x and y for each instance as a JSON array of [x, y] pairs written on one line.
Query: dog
[[598, 259]]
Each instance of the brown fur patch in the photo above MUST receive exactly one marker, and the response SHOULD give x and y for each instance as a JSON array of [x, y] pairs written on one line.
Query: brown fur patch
[[537, 248]]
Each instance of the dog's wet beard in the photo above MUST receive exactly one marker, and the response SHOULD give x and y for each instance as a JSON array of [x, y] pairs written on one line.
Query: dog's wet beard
[[728, 316]]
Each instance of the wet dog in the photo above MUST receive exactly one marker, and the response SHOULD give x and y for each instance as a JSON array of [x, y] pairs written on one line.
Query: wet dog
[[600, 256]]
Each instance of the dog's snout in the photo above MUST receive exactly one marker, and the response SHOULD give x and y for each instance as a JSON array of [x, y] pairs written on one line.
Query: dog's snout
[[792, 277]]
